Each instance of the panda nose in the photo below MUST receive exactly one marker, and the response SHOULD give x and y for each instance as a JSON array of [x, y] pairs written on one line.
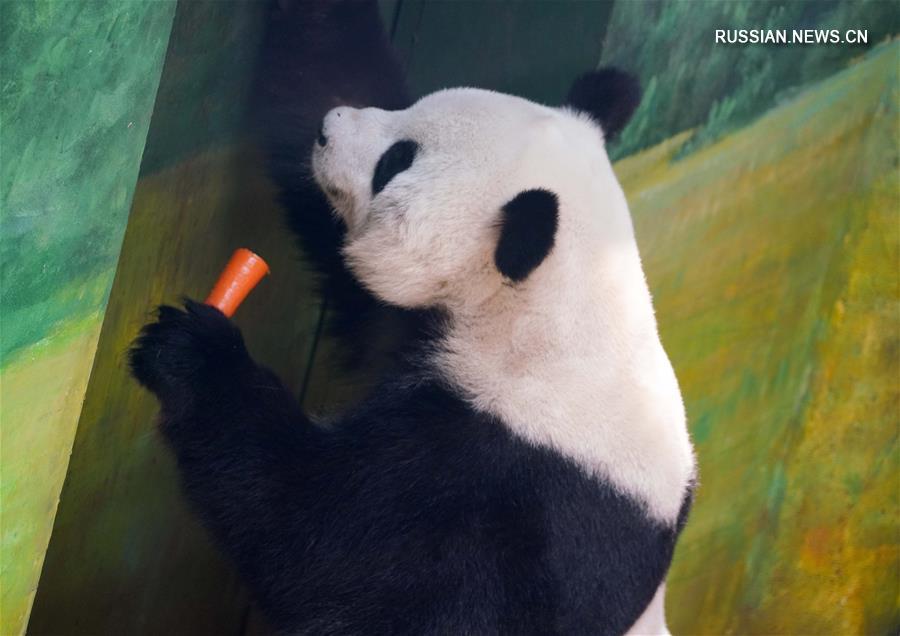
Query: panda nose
[[321, 139]]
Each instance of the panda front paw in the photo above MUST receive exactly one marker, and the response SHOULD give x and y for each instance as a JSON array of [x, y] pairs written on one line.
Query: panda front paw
[[186, 352]]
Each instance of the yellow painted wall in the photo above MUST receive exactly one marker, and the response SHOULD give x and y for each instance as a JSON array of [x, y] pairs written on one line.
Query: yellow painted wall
[[774, 261]]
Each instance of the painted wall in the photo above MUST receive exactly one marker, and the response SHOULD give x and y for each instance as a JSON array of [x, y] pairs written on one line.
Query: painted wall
[[528, 47], [773, 256], [126, 556], [771, 239], [75, 112]]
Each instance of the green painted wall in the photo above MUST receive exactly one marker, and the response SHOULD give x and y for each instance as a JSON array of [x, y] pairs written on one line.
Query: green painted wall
[[692, 81], [78, 83], [531, 48], [126, 556]]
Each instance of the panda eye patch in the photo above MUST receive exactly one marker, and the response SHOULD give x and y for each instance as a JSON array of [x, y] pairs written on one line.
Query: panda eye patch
[[395, 160]]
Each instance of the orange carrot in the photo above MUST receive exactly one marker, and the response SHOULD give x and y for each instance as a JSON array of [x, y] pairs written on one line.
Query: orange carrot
[[240, 276]]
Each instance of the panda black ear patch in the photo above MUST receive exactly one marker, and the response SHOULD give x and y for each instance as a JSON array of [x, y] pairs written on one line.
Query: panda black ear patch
[[608, 95], [527, 233]]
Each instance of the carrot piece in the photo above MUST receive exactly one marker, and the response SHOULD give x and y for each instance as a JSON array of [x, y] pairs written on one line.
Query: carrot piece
[[240, 276]]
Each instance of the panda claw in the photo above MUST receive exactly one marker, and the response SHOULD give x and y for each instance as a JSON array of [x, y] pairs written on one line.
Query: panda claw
[[184, 350]]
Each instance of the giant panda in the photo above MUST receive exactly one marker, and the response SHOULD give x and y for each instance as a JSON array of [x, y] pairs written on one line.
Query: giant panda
[[526, 468]]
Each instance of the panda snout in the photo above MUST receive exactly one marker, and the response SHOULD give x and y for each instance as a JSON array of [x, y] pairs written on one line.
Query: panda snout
[[327, 126]]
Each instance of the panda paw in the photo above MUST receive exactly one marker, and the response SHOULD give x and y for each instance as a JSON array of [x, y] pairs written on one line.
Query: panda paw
[[185, 352]]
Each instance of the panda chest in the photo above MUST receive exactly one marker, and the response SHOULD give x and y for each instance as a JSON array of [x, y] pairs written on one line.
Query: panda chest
[[632, 436]]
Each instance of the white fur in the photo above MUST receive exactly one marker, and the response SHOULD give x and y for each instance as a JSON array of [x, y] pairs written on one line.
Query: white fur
[[653, 621], [569, 358]]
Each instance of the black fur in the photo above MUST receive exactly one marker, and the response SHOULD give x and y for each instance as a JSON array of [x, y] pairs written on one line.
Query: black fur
[[608, 95], [319, 54], [393, 161], [527, 233], [412, 514]]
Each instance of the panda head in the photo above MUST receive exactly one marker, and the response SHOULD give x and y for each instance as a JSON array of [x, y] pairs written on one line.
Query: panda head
[[469, 192]]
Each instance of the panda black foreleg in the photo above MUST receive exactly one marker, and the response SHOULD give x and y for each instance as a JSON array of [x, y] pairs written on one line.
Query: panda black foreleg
[[237, 432]]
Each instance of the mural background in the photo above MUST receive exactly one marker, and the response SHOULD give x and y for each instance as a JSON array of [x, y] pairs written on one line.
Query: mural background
[[74, 114], [764, 186], [763, 181]]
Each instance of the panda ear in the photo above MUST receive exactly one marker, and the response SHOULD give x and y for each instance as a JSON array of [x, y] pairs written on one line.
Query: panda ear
[[608, 95], [527, 233]]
